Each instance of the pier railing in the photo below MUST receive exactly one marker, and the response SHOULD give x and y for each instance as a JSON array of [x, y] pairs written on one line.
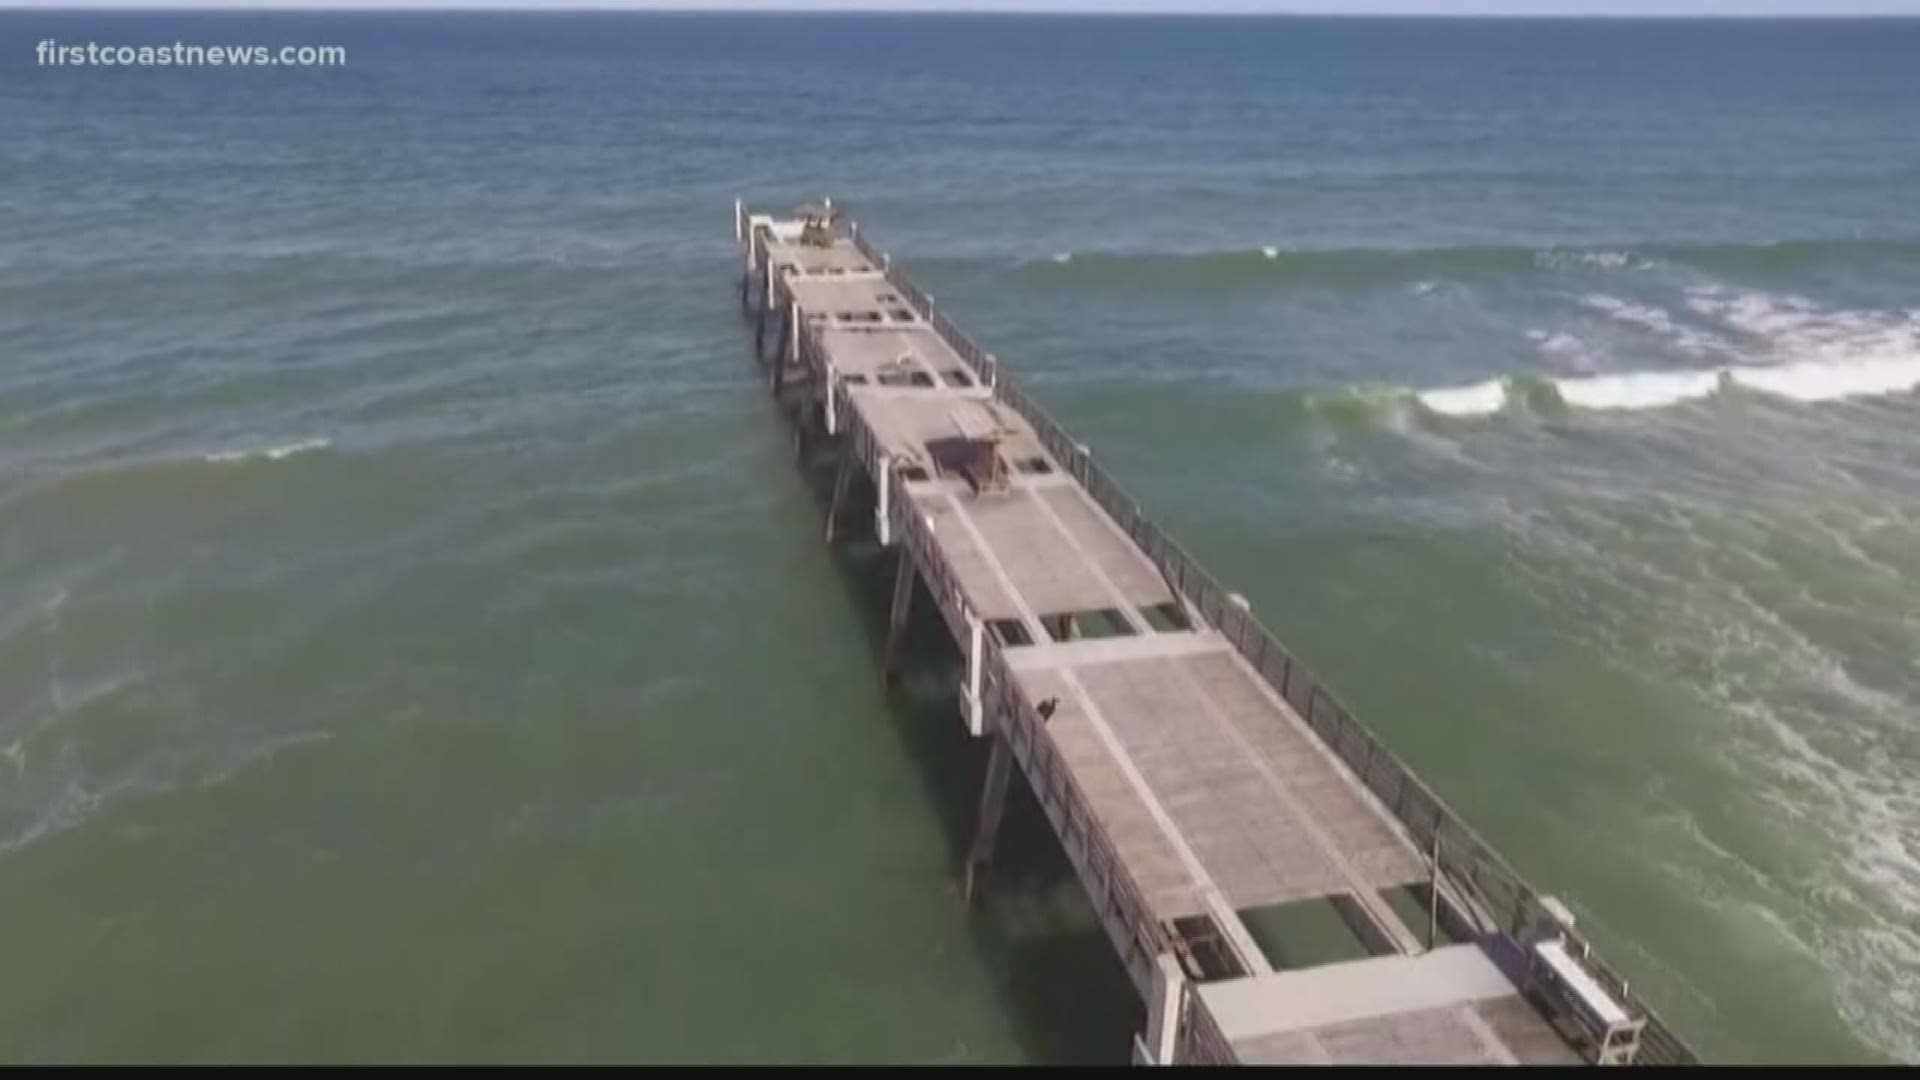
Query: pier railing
[[977, 358], [1199, 1040], [912, 531], [1138, 935], [1464, 859]]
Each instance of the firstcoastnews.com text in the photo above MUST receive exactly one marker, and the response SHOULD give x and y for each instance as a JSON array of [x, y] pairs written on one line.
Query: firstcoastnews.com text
[[52, 53]]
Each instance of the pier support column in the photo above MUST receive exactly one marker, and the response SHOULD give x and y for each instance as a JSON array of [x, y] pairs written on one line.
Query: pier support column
[[746, 278], [789, 349], [807, 419], [897, 614], [777, 365], [883, 504], [976, 664], [1161, 1040], [793, 332], [993, 804], [765, 306], [842, 478]]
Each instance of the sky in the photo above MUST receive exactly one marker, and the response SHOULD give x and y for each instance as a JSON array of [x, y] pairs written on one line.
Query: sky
[[1370, 7]]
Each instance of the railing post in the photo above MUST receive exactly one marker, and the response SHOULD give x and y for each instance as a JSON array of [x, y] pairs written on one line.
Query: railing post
[[746, 275], [883, 501], [789, 348], [766, 303], [976, 661]]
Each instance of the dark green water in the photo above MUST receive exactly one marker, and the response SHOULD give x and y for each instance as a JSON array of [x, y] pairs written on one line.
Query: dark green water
[[416, 641]]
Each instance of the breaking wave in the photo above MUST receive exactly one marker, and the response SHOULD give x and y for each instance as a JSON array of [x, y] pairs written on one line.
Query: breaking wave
[[1807, 381], [1811, 354]]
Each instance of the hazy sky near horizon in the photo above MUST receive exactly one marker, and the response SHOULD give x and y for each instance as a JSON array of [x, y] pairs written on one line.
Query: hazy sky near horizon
[[1357, 7]]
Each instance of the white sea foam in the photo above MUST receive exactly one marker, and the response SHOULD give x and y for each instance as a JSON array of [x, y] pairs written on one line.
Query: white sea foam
[[1063, 257], [1480, 399], [1822, 355], [272, 453], [1688, 339], [1797, 702], [1566, 350], [1270, 252], [1626, 311], [1791, 328], [74, 796], [1812, 381], [1829, 380], [1762, 315], [1637, 390]]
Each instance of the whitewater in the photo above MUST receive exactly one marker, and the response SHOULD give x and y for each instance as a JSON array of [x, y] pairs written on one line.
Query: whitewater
[[1805, 354]]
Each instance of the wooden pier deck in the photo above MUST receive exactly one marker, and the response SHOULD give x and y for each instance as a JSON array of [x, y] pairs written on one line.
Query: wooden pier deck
[[1208, 791]]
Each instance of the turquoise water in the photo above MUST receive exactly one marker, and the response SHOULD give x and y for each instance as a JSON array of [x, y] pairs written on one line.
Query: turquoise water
[[416, 641]]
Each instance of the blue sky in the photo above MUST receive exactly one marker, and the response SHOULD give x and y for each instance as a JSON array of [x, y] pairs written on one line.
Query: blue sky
[[1423, 7]]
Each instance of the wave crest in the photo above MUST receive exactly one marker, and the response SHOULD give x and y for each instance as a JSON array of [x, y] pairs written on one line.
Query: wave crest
[[1808, 381], [271, 453]]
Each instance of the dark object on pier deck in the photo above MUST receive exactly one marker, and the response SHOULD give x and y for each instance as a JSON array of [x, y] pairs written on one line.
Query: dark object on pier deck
[[816, 223]]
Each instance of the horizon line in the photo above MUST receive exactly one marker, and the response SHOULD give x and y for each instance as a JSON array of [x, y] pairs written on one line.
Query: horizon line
[[951, 7]]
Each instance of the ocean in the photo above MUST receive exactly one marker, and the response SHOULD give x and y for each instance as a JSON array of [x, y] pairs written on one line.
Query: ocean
[[417, 644]]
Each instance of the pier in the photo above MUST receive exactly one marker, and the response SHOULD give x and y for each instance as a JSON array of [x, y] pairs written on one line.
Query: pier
[[1277, 885]]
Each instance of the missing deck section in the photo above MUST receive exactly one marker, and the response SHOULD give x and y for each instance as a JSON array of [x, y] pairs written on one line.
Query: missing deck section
[[1309, 933], [1090, 625], [1170, 617], [1413, 904], [1103, 623], [1010, 633], [901, 375], [1203, 951]]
